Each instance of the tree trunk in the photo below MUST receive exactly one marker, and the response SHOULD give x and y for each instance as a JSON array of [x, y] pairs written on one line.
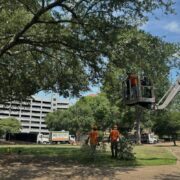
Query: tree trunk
[[78, 134], [174, 140], [139, 113], [8, 136]]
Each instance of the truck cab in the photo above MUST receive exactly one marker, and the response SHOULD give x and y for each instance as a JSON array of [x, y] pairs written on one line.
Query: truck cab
[[72, 139], [149, 138], [42, 139]]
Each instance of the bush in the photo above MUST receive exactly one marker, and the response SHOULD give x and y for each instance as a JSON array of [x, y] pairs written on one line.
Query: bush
[[86, 151], [125, 150]]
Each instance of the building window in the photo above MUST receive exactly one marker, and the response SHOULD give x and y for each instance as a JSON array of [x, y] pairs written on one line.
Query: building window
[[15, 115], [35, 117], [25, 111], [46, 107], [25, 116], [62, 104], [4, 113], [4, 109], [24, 121], [36, 106], [35, 122], [25, 106], [34, 101], [45, 102], [43, 128], [32, 127], [36, 112], [25, 127]]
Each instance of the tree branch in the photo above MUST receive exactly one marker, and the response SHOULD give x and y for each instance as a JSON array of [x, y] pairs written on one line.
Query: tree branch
[[40, 50], [33, 21], [43, 3], [49, 42], [56, 22], [70, 10]]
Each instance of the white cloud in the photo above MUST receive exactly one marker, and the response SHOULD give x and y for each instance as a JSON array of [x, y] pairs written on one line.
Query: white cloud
[[173, 27]]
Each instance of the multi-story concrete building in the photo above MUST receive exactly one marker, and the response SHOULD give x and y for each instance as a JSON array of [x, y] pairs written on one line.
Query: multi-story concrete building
[[32, 113]]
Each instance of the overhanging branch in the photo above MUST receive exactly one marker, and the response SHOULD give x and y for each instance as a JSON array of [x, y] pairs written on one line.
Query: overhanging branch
[[14, 40]]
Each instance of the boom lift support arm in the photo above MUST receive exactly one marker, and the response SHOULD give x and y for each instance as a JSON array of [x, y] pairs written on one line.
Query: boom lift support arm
[[169, 95]]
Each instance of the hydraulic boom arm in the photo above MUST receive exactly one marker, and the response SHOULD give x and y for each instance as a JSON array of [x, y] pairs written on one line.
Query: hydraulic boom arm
[[169, 95]]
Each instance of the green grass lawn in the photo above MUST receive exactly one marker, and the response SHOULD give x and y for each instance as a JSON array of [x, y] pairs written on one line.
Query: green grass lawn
[[145, 155], [153, 155]]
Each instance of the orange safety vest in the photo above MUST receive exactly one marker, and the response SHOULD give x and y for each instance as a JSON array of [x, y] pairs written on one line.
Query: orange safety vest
[[93, 136], [134, 80], [114, 135]]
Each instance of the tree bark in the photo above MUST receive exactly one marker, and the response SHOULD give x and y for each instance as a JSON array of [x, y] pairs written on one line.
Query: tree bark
[[174, 140], [139, 113]]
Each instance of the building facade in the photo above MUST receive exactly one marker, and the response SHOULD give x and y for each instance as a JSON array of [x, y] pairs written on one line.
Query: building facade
[[32, 113]]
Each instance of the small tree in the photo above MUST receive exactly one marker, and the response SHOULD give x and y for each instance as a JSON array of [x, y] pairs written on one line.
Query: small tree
[[9, 125], [86, 112], [168, 124]]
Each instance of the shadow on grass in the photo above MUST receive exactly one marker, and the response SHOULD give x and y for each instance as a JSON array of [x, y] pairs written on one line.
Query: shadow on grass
[[98, 161], [63, 163], [74, 156], [152, 159], [55, 167], [167, 145]]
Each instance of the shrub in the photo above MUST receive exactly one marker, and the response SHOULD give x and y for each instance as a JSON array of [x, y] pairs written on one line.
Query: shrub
[[125, 150]]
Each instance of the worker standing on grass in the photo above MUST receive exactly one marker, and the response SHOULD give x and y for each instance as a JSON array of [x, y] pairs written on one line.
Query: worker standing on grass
[[114, 138], [93, 137]]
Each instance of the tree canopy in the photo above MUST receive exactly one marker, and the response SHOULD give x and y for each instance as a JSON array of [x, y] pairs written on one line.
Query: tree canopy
[[88, 111], [61, 45], [9, 125], [168, 123], [139, 52], [143, 54]]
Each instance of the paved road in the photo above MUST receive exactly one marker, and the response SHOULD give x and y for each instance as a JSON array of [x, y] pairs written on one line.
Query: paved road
[[19, 169]]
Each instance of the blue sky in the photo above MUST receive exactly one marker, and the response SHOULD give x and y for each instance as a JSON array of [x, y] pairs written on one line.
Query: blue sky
[[165, 26]]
